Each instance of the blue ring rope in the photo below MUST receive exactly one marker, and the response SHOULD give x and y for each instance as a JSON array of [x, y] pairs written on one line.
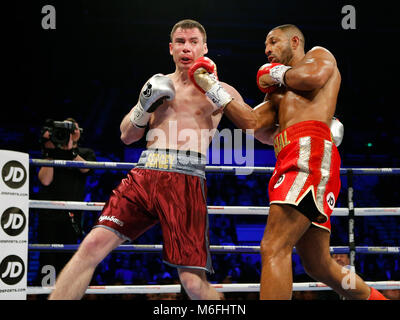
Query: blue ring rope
[[214, 169], [213, 249]]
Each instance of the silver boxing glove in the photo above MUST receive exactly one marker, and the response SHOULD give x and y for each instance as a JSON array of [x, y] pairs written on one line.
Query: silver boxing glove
[[337, 131], [157, 89]]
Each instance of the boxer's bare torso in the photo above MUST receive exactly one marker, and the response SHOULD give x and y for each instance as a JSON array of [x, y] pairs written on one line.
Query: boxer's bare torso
[[184, 122], [294, 106], [287, 106], [188, 121], [311, 85]]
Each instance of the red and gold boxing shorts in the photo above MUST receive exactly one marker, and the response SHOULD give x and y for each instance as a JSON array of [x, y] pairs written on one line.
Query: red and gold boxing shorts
[[307, 171], [166, 187]]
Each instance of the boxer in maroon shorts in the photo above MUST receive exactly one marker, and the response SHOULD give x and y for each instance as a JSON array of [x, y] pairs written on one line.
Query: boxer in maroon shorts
[[168, 184], [147, 193]]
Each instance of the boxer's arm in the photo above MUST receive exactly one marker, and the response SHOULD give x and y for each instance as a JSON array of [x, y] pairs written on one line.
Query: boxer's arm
[[312, 72], [153, 94], [267, 124], [261, 119], [130, 133], [240, 113], [337, 131]]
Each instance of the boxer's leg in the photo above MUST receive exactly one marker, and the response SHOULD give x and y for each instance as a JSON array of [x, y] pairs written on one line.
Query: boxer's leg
[[285, 226], [76, 275], [313, 249], [196, 285]]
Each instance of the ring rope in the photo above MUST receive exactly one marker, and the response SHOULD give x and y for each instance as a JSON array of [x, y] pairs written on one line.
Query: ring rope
[[229, 287], [98, 206], [214, 169], [213, 248]]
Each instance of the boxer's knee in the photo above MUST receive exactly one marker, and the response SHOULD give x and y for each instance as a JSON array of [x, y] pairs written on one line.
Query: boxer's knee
[[97, 245], [193, 281], [274, 250], [318, 268]]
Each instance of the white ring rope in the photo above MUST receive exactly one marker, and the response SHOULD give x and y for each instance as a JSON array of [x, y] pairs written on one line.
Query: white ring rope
[[230, 287], [98, 206]]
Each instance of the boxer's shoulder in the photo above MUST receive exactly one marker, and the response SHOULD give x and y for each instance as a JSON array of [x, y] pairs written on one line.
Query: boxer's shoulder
[[320, 52]]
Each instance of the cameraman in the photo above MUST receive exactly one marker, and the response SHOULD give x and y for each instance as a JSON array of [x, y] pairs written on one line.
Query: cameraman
[[60, 141]]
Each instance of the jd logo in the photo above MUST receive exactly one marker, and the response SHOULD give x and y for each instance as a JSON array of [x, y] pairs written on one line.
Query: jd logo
[[13, 221], [13, 174], [330, 199], [12, 270], [279, 182]]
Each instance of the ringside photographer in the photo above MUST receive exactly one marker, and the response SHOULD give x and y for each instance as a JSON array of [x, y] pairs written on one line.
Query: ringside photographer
[[60, 141]]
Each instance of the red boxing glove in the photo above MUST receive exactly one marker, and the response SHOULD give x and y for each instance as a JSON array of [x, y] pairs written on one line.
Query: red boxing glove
[[207, 64], [265, 69]]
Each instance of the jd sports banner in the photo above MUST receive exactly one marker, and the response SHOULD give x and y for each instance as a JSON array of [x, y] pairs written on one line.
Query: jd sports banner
[[14, 207]]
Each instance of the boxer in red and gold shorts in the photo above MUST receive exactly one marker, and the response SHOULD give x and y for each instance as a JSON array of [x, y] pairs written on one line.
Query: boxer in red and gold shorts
[[146, 197], [302, 90], [307, 171], [296, 116]]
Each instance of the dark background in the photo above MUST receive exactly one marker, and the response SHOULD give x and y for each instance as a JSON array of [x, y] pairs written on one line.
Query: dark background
[[95, 62]]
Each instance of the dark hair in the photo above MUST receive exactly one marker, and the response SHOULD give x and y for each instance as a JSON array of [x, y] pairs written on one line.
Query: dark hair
[[294, 30], [190, 24]]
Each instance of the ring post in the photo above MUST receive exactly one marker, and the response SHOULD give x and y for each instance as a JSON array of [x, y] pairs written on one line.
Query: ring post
[[350, 192], [14, 210]]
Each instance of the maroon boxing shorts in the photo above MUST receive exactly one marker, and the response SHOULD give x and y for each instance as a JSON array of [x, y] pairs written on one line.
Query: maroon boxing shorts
[[166, 187], [307, 171]]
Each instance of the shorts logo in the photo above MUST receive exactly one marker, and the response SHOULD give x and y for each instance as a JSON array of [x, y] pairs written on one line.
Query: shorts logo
[[112, 219], [279, 182], [330, 199], [160, 161], [280, 142]]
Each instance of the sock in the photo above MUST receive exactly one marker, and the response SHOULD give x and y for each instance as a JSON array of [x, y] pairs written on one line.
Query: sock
[[376, 295]]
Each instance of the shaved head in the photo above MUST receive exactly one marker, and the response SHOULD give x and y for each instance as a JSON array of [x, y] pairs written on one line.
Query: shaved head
[[291, 30], [283, 43]]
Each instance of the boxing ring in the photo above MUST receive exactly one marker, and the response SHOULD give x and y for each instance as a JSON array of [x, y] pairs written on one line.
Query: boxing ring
[[351, 212]]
